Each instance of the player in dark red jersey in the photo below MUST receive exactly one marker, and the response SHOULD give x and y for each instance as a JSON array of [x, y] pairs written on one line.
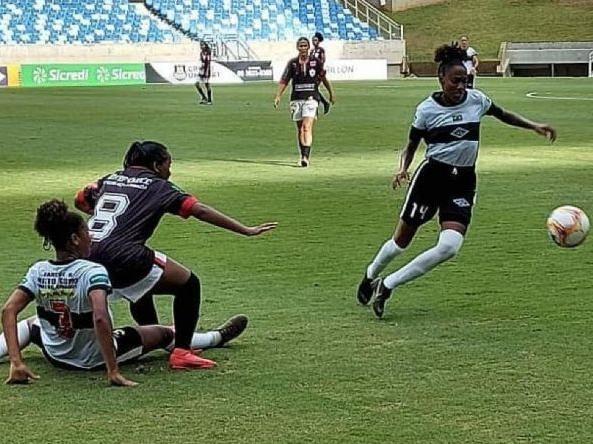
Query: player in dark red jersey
[[306, 73], [319, 53], [204, 74], [127, 207]]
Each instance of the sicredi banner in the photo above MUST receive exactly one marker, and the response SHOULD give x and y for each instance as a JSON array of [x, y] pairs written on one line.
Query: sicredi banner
[[106, 74], [188, 72], [346, 69]]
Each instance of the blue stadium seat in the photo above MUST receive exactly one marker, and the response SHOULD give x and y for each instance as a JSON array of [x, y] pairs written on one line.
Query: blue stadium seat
[[96, 21], [84, 21]]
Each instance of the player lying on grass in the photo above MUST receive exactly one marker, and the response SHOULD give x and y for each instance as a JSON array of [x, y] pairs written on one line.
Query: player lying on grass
[[73, 326], [127, 207], [449, 123]]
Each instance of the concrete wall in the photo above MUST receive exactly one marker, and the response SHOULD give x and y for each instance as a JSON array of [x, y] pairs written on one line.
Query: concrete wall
[[144, 52], [402, 5], [391, 50]]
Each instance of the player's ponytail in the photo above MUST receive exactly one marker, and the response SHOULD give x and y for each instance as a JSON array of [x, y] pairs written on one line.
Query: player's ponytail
[[145, 154], [56, 224], [447, 56]]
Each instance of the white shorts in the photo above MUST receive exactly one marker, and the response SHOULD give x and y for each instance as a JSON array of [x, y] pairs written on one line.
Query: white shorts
[[299, 109], [135, 291]]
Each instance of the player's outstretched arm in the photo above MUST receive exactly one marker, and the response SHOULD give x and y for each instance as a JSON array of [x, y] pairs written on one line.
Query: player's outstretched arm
[[103, 331], [19, 372], [517, 120], [215, 217]]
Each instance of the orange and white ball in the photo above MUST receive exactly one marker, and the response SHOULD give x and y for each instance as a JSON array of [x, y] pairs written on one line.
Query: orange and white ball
[[568, 226]]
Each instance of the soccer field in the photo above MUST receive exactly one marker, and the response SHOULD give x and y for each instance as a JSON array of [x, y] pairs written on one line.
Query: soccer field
[[491, 347]]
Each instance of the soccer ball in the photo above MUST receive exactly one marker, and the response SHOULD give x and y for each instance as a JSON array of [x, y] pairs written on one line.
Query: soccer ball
[[568, 226]]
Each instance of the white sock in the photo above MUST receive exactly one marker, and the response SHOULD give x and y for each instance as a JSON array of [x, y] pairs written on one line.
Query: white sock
[[386, 254], [201, 340], [23, 334], [450, 241], [206, 340]]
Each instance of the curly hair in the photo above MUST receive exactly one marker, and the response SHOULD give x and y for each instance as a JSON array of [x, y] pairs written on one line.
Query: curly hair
[[56, 224], [449, 55]]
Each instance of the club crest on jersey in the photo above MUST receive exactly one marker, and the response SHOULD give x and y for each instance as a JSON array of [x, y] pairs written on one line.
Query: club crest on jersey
[[459, 132], [311, 73], [457, 117]]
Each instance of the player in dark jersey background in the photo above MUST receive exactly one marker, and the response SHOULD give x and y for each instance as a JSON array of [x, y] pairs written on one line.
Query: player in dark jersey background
[[318, 53], [449, 122], [203, 83], [305, 73], [127, 207]]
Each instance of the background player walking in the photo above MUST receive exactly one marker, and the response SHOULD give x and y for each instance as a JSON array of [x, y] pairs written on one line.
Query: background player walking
[[305, 73], [203, 83]]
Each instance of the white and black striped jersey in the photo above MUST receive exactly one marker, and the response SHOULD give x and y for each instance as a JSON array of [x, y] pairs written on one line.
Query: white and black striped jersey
[[61, 292], [451, 133]]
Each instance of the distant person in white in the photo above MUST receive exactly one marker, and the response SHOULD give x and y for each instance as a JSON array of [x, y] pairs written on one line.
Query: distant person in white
[[471, 61], [445, 182]]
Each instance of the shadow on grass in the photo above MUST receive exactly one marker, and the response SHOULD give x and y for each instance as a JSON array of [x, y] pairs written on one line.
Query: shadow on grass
[[258, 162]]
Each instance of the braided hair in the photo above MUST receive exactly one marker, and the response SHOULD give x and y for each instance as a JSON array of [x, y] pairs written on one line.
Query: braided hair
[[146, 154], [447, 56], [56, 224]]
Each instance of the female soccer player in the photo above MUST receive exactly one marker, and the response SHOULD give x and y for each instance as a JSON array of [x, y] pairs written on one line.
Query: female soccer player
[[306, 73], [470, 61], [204, 74], [127, 207], [449, 122], [73, 326], [319, 53]]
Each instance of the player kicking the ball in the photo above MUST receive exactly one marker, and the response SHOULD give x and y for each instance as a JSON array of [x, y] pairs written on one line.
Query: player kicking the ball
[[445, 182], [127, 207]]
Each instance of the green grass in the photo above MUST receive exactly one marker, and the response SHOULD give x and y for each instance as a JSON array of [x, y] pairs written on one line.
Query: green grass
[[490, 22], [493, 347]]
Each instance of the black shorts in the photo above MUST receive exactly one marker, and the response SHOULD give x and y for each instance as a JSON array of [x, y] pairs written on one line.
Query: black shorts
[[440, 187], [127, 341]]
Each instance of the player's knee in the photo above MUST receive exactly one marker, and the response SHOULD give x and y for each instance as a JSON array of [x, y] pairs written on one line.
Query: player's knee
[[450, 242], [192, 288]]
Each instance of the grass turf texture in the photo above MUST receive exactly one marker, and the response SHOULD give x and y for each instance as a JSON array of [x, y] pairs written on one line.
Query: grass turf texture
[[491, 347], [490, 22]]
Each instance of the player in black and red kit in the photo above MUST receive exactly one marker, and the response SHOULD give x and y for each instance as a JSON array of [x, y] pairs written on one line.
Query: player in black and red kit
[[319, 53], [306, 73], [204, 74], [127, 207]]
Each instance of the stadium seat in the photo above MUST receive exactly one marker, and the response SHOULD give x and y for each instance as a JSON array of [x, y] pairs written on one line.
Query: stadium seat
[[86, 21]]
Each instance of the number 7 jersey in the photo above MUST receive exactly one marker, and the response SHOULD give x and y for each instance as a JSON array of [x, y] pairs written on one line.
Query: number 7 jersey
[[61, 292], [129, 207]]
